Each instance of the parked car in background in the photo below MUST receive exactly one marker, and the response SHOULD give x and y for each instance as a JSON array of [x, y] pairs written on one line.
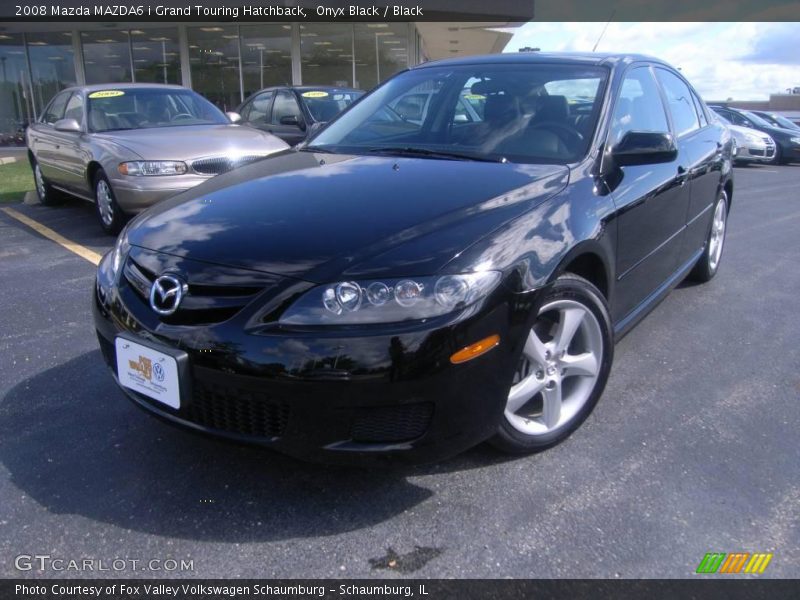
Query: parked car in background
[[293, 113], [750, 145], [410, 290], [777, 120], [787, 141], [127, 146]]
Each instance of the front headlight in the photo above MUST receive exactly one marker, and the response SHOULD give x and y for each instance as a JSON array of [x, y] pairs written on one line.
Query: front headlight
[[389, 300], [120, 253], [795, 140], [139, 168]]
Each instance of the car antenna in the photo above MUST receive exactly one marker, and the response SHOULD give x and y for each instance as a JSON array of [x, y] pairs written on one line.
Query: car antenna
[[602, 33]]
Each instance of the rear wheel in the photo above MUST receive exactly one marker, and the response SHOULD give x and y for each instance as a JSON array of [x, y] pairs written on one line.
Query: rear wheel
[[562, 371], [108, 211], [708, 264], [47, 194]]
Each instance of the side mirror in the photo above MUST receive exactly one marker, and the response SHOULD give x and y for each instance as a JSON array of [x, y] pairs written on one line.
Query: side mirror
[[234, 117], [293, 120], [644, 148], [70, 125]]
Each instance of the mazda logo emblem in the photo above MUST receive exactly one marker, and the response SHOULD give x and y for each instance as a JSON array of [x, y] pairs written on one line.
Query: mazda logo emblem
[[166, 294]]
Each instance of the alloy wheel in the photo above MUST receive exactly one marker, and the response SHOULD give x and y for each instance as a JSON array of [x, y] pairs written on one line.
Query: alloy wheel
[[105, 203], [558, 369], [717, 238], [40, 187]]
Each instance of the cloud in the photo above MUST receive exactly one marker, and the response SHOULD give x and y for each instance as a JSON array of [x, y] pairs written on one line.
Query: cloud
[[745, 61]]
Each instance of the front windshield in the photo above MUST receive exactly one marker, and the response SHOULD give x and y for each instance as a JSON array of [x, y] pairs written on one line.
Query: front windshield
[[145, 108], [756, 119], [527, 113], [784, 122], [324, 105]]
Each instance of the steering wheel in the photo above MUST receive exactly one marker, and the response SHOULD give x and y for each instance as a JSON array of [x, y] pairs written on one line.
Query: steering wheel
[[181, 116], [569, 136]]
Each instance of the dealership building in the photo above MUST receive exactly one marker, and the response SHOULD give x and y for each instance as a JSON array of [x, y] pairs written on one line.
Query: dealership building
[[224, 62]]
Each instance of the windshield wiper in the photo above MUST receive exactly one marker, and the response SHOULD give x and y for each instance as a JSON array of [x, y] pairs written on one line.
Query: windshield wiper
[[425, 152], [316, 149]]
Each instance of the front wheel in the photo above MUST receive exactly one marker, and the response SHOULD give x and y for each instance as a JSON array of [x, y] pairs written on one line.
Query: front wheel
[[108, 211], [562, 371], [708, 264]]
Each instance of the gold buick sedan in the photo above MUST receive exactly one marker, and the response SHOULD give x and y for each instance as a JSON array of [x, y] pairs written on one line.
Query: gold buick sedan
[[127, 146]]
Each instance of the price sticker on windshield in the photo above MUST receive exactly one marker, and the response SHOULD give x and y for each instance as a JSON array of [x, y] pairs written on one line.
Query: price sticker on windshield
[[316, 94], [106, 94]]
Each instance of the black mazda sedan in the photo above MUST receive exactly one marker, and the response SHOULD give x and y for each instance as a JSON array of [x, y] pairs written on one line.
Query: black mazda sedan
[[410, 288]]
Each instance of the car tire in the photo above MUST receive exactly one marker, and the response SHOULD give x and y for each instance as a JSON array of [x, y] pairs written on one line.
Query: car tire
[[708, 263], [110, 215], [562, 371], [48, 195], [777, 158]]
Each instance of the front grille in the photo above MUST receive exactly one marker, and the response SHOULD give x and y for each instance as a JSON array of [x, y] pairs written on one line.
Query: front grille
[[202, 305], [227, 408], [237, 410], [392, 423], [222, 164], [756, 152]]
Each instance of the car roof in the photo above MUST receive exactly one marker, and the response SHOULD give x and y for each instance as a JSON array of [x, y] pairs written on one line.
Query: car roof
[[97, 87], [307, 88], [574, 58]]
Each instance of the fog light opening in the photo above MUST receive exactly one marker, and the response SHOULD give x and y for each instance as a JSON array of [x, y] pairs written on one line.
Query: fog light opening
[[475, 350]]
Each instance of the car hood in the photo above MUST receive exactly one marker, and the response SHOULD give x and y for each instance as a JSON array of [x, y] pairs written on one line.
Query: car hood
[[317, 217], [195, 141]]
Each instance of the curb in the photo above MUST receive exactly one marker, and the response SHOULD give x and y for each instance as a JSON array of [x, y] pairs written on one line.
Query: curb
[[31, 198], [7, 160]]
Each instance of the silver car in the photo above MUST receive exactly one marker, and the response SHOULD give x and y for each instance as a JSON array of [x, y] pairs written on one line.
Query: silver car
[[127, 146], [749, 145]]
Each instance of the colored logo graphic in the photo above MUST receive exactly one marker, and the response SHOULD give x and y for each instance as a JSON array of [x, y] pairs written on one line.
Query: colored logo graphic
[[158, 371], [737, 562], [144, 366]]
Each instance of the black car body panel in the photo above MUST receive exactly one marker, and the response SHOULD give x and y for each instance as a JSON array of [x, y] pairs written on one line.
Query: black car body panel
[[249, 243]]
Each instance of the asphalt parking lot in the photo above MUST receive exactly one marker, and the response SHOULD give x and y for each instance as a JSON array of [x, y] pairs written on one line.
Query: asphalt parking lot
[[693, 448]]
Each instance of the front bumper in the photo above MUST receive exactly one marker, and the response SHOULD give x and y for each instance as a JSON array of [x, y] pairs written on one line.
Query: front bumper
[[134, 194], [332, 397]]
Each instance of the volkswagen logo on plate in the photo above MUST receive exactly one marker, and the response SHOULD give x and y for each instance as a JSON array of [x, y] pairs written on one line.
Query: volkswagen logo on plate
[[166, 294]]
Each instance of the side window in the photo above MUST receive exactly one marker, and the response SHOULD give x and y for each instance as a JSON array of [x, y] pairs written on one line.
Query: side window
[[258, 109], [679, 100], [55, 111], [285, 106], [75, 108], [700, 112], [639, 106]]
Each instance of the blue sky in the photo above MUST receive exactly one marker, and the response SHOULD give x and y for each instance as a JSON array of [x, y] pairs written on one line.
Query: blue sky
[[744, 61]]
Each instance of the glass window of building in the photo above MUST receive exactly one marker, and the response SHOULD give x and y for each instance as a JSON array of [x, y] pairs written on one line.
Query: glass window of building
[[156, 55], [52, 65], [16, 108], [214, 59], [266, 56], [381, 50], [326, 54], [106, 56]]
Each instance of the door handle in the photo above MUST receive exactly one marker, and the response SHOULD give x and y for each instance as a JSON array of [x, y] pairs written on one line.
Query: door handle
[[682, 175]]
